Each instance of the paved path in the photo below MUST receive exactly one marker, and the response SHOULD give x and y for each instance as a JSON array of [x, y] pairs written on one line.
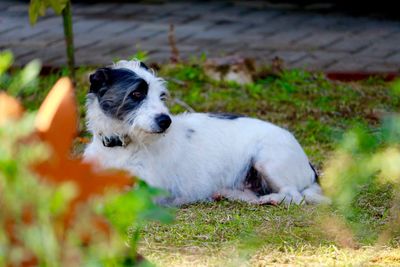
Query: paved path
[[106, 31]]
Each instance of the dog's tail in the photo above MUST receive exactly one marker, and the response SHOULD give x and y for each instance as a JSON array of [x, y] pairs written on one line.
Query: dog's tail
[[313, 195]]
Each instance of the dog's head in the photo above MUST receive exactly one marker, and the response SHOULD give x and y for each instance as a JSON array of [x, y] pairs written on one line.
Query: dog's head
[[128, 98]]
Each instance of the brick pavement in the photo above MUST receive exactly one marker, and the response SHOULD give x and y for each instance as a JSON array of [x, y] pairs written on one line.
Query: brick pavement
[[106, 31]]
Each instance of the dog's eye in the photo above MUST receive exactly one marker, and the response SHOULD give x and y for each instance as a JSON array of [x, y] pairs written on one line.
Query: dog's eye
[[163, 97], [137, 94]]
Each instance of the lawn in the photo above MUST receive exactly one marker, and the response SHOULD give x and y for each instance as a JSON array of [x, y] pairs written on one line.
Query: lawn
[[317, 111]]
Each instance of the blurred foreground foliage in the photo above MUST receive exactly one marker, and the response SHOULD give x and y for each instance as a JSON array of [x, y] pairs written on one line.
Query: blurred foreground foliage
[[33, 231], [363, 179]]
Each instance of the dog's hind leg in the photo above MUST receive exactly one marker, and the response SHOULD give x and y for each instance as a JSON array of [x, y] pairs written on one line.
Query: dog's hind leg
[[245, 195], [278, 198], [276, 177]]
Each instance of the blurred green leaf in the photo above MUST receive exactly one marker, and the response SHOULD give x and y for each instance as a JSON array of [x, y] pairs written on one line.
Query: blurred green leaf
[[396, 87], [57, 5], [38, 8], [135, 207], [24, 78], [61, 197], [391, 130], [140, 55], [30, 72], [6, 60]]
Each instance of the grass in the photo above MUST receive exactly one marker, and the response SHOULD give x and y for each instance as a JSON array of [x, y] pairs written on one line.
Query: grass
[[317, 111]]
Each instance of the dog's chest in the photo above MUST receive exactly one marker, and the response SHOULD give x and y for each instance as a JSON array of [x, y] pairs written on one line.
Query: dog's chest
[[138, 162]]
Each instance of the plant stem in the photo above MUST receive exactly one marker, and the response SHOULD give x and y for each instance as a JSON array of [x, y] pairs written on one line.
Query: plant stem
[[69, 38]]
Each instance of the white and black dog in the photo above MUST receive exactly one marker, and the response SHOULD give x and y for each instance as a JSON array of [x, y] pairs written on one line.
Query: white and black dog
[[194, 156]]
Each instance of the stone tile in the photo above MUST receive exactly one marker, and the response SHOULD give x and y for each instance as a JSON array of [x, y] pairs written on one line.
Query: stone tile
[[282, 40], [350, 44], [394, 58], [21, 34], [18, 7], [45, 54], [311, 62], [377, 50], [259, 17], [188, 30], [290, 57], [382, 67], [4, 5], [83, 26], [319, 39], [352, 64], [112, 29], [22, 51], [92, 9]]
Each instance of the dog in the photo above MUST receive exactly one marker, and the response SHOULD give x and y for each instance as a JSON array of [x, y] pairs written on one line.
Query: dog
[[193, 156]]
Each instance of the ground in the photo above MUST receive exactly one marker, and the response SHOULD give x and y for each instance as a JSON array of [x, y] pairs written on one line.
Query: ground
[[317, 111]]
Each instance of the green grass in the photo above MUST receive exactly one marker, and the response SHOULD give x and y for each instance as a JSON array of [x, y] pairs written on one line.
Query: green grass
[[317, 111]]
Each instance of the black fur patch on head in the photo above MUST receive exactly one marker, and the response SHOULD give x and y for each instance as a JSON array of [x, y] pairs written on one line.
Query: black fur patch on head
[[225, 116], [316, 176], [119, 91], [98, 80]]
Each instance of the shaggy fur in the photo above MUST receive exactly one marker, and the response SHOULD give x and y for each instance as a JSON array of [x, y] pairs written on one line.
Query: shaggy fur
[[194, 156]]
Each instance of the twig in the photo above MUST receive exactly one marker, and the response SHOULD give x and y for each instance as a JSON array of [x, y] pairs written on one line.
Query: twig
[[172, 43], [69, 38], [174, 80], [183, 104]]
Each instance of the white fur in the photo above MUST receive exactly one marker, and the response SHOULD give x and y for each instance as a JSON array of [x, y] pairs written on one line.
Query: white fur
[[200, 156]]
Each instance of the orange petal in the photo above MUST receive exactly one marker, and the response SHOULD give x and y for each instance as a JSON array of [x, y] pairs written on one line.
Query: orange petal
[[56, 120]]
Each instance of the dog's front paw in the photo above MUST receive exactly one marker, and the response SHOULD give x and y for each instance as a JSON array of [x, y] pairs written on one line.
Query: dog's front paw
[[164, 201], [170, 201], [217, 197]]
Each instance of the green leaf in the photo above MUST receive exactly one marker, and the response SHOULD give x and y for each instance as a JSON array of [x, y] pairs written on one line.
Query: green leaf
[[30, 72], [26, 77], [58, 5], [396, 87], [36, 8], [140, 55], [6, 60]]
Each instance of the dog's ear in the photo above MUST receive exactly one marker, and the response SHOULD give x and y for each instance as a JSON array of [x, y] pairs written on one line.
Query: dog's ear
[[99, 79], [144, 66]]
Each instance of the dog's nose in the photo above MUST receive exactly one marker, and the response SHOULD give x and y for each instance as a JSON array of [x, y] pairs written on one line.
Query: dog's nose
[[163, 121]]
